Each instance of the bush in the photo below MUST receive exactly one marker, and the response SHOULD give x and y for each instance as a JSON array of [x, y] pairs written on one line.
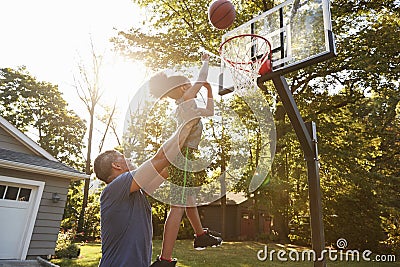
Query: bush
[[65, 248], [69, 252]]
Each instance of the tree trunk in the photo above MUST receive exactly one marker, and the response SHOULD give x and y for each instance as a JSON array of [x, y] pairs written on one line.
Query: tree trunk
[[223, 200], [223, 219], [281, 227], [256, 215], [81, 221]]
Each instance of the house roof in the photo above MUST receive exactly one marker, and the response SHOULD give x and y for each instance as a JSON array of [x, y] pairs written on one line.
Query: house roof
[[232, 198], [39, 162], [25, 162], [34, 160], [236, 198]]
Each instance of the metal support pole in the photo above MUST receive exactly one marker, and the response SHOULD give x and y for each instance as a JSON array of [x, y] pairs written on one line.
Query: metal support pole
[[307, 136], [314, 193]]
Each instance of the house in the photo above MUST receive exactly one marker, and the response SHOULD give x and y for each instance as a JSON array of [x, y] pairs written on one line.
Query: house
[[33, 193], [243, 221]]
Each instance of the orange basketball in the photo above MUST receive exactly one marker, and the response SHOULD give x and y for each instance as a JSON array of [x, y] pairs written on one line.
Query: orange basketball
[[221, 14]]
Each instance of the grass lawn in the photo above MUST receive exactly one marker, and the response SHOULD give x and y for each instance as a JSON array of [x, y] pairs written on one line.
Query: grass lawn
[[243, 254]]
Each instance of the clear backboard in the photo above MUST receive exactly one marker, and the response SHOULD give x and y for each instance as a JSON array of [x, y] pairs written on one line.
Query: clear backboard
[[299, 31]]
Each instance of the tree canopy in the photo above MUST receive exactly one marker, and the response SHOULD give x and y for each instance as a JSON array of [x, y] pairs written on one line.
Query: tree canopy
[[37, 108]]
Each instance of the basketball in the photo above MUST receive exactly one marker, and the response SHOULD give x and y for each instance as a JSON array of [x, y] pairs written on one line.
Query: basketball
[[221, 14]]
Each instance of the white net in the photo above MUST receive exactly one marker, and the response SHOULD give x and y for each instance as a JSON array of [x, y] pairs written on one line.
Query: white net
[[245, 55]]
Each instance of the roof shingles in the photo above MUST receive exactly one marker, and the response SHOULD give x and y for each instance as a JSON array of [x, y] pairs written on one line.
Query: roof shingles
[[34, 160]]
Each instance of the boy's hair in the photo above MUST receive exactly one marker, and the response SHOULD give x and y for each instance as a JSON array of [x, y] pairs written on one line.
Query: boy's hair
[[102, 164], [160, 84]]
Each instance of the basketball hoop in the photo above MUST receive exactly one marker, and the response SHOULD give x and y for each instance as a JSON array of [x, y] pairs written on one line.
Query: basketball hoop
[[248, 56]]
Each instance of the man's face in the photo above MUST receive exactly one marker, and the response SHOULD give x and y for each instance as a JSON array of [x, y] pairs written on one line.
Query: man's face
[[125, 163]]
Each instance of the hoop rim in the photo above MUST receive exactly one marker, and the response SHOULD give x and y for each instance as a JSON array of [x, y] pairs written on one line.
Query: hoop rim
[[245, 35]]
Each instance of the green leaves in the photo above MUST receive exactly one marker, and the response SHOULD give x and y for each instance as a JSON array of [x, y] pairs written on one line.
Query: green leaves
[[175, 31], [38, 108]]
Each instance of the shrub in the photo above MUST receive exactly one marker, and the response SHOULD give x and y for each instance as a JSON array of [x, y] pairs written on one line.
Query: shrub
[[65, 248]]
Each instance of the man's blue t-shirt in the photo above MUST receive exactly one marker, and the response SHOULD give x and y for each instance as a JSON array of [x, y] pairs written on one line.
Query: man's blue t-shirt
[[126, 228]]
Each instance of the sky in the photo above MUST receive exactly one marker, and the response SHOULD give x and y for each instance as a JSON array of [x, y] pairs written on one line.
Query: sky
[[50, 37]]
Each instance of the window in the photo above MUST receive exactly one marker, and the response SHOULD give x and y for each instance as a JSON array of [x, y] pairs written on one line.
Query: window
[[24, 194], [15, 193], [12, 193], [2, 191]]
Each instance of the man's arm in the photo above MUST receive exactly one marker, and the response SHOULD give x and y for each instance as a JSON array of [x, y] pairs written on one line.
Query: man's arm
[[172, 147], [150, 174]]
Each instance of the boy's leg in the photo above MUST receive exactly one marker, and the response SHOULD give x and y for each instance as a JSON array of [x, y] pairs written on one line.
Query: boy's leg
[[171, 229], [194, 218], [203, 238], [193, 215]]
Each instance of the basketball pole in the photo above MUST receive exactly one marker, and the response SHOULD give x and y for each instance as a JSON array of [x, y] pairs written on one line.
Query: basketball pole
[[307, 135]]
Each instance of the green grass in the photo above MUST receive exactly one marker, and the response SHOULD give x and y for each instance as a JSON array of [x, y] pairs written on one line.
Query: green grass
[[235, 254]]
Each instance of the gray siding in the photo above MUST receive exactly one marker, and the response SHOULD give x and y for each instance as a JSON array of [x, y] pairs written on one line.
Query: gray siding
[[48, 220], [9, 142]]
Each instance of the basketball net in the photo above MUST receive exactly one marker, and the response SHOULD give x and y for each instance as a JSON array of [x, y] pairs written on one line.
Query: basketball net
[[247, 56]]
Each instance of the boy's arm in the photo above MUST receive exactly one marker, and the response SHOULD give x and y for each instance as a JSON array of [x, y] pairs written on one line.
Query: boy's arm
[[192, 91], [209, 110]]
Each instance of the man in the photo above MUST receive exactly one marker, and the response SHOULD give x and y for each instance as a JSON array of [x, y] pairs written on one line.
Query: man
[[126, 227]]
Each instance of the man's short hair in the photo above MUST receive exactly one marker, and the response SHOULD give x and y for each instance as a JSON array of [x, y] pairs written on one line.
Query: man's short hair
[[102, 164]]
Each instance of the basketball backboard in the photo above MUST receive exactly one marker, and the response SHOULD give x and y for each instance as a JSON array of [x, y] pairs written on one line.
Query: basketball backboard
[[299, 31]]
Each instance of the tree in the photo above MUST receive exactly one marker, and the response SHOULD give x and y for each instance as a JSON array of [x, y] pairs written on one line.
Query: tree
[[175, 30], [38, 109], [89, 92], [108, 119]]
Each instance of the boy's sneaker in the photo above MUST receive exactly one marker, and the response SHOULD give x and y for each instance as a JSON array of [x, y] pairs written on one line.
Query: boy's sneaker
[[163, 263], [207, 240], [214, 233]]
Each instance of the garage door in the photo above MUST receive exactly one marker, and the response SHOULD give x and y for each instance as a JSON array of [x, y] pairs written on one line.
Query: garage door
[[19, 202]]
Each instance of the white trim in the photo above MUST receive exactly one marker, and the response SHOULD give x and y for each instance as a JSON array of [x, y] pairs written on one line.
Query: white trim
[[25, 140], [264, 14], [33, 210], [42, 170]]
